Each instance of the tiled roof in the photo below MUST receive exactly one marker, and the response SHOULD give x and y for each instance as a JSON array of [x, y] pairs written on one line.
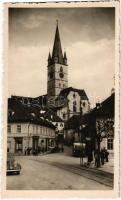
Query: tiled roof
[[40, 100], [66, 91], [23, 111], [18, 112], [51, 116], [105, 109]]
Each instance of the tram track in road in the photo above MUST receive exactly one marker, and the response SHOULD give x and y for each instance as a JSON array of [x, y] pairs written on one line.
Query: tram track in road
[[99, 176]]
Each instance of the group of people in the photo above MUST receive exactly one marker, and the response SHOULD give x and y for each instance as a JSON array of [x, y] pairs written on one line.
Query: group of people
[[101, 156], [27, 151]]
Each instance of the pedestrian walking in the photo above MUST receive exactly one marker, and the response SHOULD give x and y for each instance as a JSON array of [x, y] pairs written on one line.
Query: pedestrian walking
[[106, 155], [25, 151], [102, 155], [96, 157], [90, 157]]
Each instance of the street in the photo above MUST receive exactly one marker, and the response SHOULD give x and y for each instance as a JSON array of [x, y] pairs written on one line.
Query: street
[[58, 171]]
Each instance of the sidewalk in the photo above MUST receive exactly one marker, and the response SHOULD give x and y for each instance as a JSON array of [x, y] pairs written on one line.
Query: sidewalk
[[107, 167]]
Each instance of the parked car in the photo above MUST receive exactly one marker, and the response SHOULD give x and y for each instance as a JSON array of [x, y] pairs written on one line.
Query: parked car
[[12, 166], [55, 149]]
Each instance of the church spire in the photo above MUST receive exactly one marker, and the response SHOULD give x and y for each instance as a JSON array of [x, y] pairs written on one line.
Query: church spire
[[57, 55], [49, 58]]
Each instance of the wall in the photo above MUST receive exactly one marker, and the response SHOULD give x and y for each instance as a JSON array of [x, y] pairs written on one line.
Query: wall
[[29, 130]]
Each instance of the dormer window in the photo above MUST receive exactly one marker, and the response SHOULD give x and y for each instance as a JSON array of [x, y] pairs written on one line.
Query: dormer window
[[61, 125], [74, 95]]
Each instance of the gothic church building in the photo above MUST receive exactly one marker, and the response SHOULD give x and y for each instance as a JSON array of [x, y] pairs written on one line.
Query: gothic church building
[[75, 101]]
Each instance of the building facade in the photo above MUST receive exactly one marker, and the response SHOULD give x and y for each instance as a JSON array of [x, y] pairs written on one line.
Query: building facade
[[23, 135], [77, 103], [26, 128]]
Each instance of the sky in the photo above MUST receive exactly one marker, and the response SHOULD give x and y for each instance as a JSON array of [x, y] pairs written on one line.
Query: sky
[[87, 35]]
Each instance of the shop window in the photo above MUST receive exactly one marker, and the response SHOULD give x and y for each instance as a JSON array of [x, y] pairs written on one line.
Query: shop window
[[52, 143], [18, 145], [110, 143], [18, 128], [9, 128]]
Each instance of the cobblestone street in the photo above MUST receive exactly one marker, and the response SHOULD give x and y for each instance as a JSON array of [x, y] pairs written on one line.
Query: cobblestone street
[[57, 172]]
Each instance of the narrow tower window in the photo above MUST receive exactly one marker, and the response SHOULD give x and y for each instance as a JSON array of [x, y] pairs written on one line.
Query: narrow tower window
[[61, 69]]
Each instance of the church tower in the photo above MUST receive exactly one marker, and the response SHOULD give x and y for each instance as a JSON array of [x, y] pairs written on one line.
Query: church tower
[[57, 68]]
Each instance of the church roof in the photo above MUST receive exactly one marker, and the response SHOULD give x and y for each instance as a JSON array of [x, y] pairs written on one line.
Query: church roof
[[66, 91]]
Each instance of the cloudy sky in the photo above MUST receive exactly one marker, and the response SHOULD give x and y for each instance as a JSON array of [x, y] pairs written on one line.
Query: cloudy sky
[[87, 35]]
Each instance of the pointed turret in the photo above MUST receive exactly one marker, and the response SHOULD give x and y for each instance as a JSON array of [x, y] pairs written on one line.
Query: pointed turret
[[57, 55], [65, 59], [49, 59]]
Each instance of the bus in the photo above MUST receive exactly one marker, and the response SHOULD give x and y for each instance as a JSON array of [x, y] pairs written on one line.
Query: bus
[[79, 149]]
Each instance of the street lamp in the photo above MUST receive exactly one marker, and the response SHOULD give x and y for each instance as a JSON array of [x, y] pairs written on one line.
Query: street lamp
[[28, 134], [82, 145]]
